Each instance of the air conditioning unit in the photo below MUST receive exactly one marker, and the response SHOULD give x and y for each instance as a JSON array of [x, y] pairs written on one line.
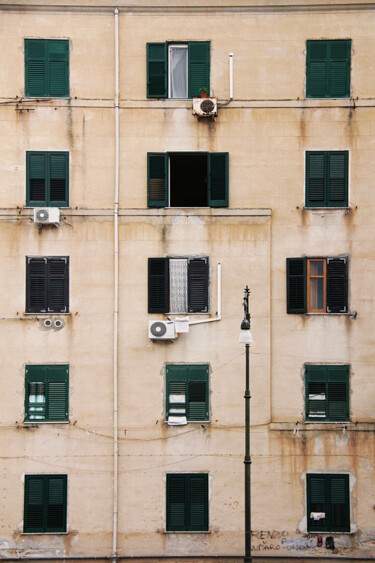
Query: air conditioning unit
[[46, 215], [205, 107], [161, 330]]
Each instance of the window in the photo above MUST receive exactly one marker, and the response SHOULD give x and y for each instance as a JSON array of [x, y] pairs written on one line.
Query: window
[[47, 285], [46, 68], [187, 179], [328, 503], [187, 393], [187, 502], [178, 70], [327, 179], [327, 392], [317, 285], [47, 179], [178, 285], [46, 393], [45, 503], [328, 69]]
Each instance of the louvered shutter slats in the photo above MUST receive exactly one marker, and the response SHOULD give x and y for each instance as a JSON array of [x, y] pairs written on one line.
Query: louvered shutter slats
[[58, 285], [198, 285], [56, 504], [337, 285], [218, 179], [176, 514], [315, 170], [296, 285], [187, 391], [58, 179], [199, 67], [47, 393], [187, 502], [198, 502], [158, 285], [337, 188], [36, 294], [339, 501], [34, 497], [157, 173], [327, 392], [157, 70], [327, 179], [46, 68], [197, 400], [328, 69]]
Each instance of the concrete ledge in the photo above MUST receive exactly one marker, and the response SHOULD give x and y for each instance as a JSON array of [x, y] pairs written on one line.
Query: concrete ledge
[[323, 426]]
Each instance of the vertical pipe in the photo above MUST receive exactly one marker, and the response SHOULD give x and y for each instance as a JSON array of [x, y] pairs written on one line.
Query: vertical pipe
[[247, 462], [219, 291], [115, 312], [231, 76]]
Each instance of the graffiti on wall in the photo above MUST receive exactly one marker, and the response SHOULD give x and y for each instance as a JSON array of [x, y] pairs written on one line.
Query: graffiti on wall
[[274, 540]]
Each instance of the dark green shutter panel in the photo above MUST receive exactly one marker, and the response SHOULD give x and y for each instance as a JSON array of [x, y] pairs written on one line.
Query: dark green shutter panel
[[176, 502], [35, 68], [198, 503], [198, 271], [34, 498], [157, 70], [58, 392], [316, 501], [218, 179], [337, 179], [58, 68], [36, 285], [56, 504], [36, 174], [198, 377], [158, 285], [157, 179], [339, 72], [316, 69], [316, 392], [339, 503], [296, 285], [59, 173], [58, 285], [199, 67], [315, 179], [337, 285], [338, 392], [176, 378]]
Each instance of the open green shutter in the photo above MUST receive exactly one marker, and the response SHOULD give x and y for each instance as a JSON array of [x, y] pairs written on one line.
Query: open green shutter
[[198, 270], [157, 179], [315, 179], [158, 285], [58, 68], [339, 54], [157, 86], [338, 392], [339, 503], [35, 68], [176, 502], [58, 392], [56, 503], [199, 67], [33, 509], [218, 179], [337, 179], [58, 179], [316, 69], [36, 179], [296, 285], [58, 285], [337, 285], [198, 377], [198, 502], [316, 392]]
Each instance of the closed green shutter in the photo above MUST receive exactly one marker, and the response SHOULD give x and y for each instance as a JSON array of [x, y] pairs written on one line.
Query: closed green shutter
[[52, 381], [45, 503], [158, 285], [36, 175], [315, 179], [218, 179], [47, 179], [316, 392], [34, 501], [47, 68], [176, 503], [296, 285], [337, 187], [339, 503], [197, 380], [35, 68], [58, 285], [317, 69], [339, 70], [157, 70], [198, 502], [187, 502], [198, 271], [58, 392], [58, 179], [328, 69], [199, 67], [327, 179], [317, 502], [36, 285], [56, 504], [338, 392], [157, 179], [337, 285], [328, 495], [327, 392]]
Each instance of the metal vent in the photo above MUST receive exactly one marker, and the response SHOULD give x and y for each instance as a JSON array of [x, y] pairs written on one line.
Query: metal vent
[[207, 106], [158, 329], [42, 215]]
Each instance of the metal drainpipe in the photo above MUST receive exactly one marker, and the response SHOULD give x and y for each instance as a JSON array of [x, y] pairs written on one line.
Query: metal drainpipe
[[115, 312]]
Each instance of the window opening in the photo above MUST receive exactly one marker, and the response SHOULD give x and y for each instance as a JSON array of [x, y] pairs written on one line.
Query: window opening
[[178, 71], [188, 180], [316, 291]]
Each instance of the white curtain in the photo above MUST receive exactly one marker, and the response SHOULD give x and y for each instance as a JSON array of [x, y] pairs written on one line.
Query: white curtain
[[178, 285], [178, 72]]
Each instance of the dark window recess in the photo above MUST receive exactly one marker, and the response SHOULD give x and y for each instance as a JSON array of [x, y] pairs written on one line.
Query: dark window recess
[[187, 179], [187, 393], [328, 507], [46, 393], [327, 392], [45, 503], [187, 502], [178, 285], [47, 285], [335, 285], [327, 179], [328, 69], [47, 68], [47, 179]]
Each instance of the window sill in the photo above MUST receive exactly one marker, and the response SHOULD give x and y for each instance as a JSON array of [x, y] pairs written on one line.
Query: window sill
[[309, 426], [187, 532], [27, 423], [352, 314], [37, 315], [201, 422], [44, 533], [346, 209]]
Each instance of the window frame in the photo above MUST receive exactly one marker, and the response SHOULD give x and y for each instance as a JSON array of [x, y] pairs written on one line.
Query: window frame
[[328, 60], [47, 45], [187, 479], [310, 276], [47, 177], [327, 374], [45, 528], [187, 373], [47, 294], [47, 374], [186, 48], [326, 202], [328, 493]]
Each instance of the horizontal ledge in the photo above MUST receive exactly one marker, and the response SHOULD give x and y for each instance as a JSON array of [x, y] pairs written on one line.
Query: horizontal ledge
[[323, 426], [27, 213]]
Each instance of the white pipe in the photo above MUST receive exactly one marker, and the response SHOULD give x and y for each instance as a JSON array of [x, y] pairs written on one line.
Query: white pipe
[[115, 312], [218, 316], [231, 76]]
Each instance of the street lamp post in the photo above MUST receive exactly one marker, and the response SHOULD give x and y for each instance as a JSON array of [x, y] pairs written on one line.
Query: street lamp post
[[246, 338]]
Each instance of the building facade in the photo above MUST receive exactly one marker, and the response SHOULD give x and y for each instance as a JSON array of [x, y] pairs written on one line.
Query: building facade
[[124, 216]]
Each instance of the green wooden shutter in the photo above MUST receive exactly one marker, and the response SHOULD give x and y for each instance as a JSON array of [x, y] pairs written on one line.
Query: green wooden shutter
[[339, 503], [338, 392], [198, 392], [218, 179], [176, 386], [316, 69], [56, 503], [296, 285], [317, 502], [316, 392], [58, 179], [36, 285], [157, 58], [58, 392], [199, 67], [33, 521], [315, 179], [198, 502], [339, 68], [198, 270], [58, 68], [176, 502], [36, 179], [58, 285], [35, 68], [157, 179], [158, 285], [35, 384], [337, 285], [337, 164]]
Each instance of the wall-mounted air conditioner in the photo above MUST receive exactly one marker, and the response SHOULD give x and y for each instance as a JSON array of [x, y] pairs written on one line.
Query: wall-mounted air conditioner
[[161, 330], [205, 107], [47, 215]]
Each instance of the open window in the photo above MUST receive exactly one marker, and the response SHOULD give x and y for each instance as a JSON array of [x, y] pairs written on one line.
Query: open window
[[187, 179]]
